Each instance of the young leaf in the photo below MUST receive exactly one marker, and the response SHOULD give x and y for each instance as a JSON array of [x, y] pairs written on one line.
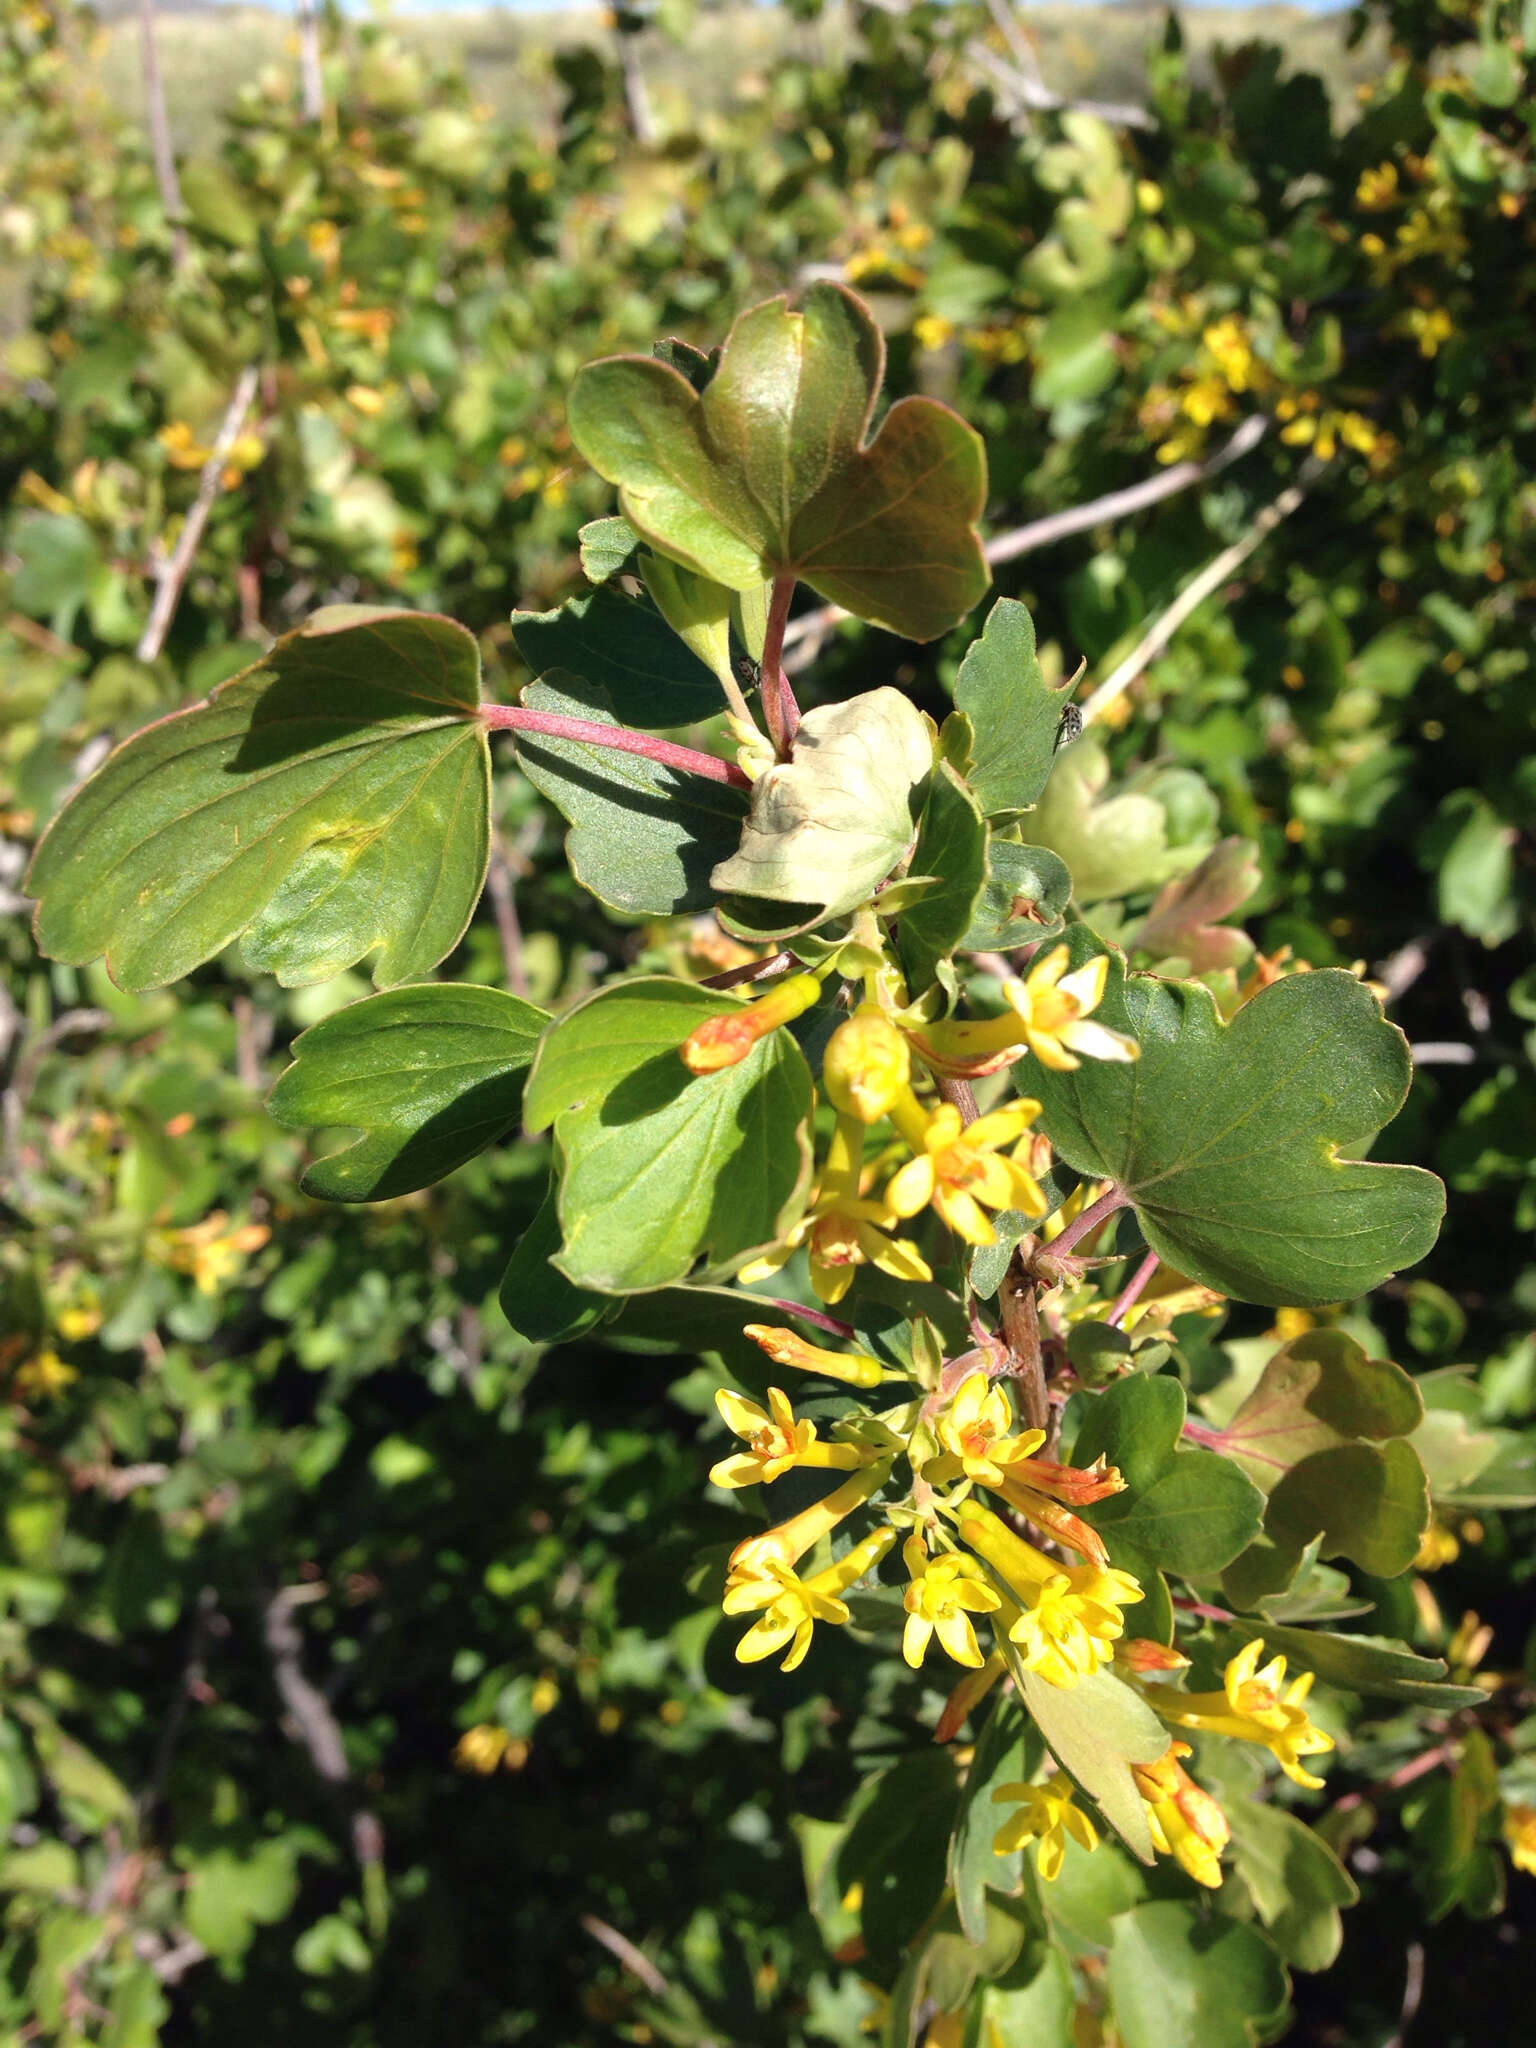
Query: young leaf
[[1318, 1392], [1013, 711], [332, 800], [1097, 1729], [1184, 922], [1023, 900], [951, 845], [430, 1076], [1180, 1979], [1111, 847], [1235, 1141], [766, 473], [828, 825], [607, 546], [1367, 1502], [625, 648], [663, 1168], [644, 838]]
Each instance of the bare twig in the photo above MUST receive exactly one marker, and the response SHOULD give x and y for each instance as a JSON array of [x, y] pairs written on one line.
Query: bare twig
[[1413, 1993], [637, 97], [313, 1723], [1025, 93], [1400, 970], [310, 73], [1443, 1052], [498, 886], [173, 573], [253, 1037], [1042, 533], [1190, 599], [160, 136], [18, 1094], [1016, 1300], [635, 1960]]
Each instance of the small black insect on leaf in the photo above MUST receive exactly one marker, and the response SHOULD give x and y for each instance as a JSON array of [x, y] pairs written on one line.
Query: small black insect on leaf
[[1071, 726]]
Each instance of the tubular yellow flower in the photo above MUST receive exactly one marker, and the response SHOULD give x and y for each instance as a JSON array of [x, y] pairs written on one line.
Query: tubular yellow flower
[[960, 1169], [1040, 1489], [945, 1592], [725, 1041], [1186, 1822], [1047, 1814], [1069, 1616], [776, 1442], [792, 1606], [866, 1065], [842, 1229], [1250, 1707], [789, 1542], [853, 1368], [1142, 1656], [1047, 1015], [975, 1429], [1053, 1007]]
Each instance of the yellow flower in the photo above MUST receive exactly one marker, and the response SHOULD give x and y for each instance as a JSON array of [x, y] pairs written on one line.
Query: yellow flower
[[976, 1429], [792, 1605], [1069, 1616], [776, 1442], [1377, 189], [1430, 327], [481, 1748], [1053, 1005], [725, 1041], [789, 1542], [945, 1592], [1186, 1822], [1227, 341], [932, 330], [43, 1376], [842, 1229], [1205, 401], [960, 1169], [1250, 1707], [1047, 1814], [1438, 1548], [181, 445], [1520, 1835]]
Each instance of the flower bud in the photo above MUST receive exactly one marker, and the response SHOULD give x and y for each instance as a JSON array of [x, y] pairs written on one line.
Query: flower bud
[[725, 1040], [853, 1368], [866, 1065]]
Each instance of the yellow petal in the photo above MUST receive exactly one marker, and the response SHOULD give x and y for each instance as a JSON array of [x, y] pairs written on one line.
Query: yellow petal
[[912, 1188]]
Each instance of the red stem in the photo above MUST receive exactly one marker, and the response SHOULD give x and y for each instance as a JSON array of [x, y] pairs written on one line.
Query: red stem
[[807, 1315], [780, 706], [1133, 1290], [1090, 1219], [518, 718]]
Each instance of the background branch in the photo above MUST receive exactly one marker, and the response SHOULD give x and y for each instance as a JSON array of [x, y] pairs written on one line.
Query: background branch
[[173, 574]]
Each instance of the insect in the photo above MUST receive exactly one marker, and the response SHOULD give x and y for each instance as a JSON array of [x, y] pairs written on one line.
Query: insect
[[1071, 726], [748, 671]]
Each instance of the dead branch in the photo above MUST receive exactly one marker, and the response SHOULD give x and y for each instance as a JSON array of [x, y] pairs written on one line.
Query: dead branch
[[312, 1724], [172, 574], [160, 136]]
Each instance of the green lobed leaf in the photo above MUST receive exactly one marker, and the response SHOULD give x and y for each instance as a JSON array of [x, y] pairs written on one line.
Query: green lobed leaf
[[1366, 1502], [662, 1168], [332, 801], [1113, 846], [644, 838], [828, 825], [607, 546], [1179, 1978], [1235, 1141], [951, 845], [1297, 1882], [430, 1075], [765, 474], [1015, 714], [625, 648], [1182, 1510], [1097, 1729], [1023, 900]]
